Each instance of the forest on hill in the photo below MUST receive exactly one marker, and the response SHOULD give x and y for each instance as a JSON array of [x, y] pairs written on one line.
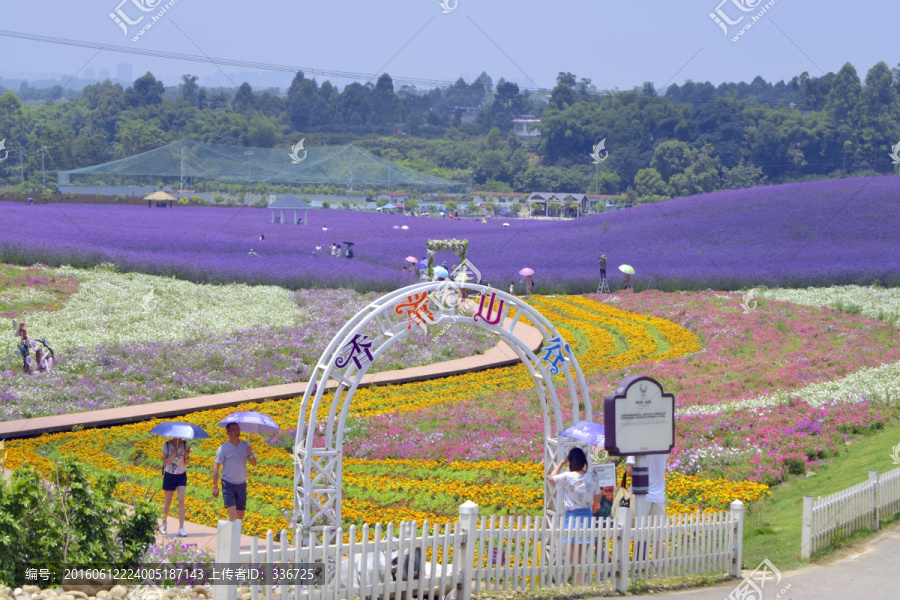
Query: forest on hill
[[690, 138]]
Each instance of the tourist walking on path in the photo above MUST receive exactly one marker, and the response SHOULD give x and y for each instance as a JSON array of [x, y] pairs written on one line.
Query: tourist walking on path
[[233, 456], [176, 455], [581, 488], [602, 266], [627, 281]]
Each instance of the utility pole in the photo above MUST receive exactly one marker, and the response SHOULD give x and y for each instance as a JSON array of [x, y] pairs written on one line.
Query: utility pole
[[43, 174], [182, 170], [21, 168], [350, 176], [248, 153]]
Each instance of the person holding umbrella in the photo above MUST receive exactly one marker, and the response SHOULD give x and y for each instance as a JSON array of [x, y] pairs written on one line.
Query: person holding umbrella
[[629, 271], [176, 454], [528, 274], [233, 457]]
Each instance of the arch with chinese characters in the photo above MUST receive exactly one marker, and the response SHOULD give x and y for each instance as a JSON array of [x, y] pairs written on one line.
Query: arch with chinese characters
[[349, 355]]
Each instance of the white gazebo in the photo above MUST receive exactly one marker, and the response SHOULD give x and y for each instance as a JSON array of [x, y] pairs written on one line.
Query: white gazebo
[[290, 202]]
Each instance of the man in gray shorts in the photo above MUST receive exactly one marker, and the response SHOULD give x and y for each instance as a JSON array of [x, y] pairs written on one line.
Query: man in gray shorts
[[233, 456]]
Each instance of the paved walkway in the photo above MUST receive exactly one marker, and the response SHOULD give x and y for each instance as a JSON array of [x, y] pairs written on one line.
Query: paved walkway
[[499, 356], [205, 537], [202, 536], [871, 573]]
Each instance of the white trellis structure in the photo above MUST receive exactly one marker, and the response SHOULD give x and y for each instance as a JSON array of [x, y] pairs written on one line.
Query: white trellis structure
[[350, 354]]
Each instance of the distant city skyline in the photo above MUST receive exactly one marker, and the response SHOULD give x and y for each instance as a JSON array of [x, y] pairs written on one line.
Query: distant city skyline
[[616, 45]]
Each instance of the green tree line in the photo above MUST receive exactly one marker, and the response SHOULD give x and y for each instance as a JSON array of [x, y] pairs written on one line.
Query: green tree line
[[694, 138]]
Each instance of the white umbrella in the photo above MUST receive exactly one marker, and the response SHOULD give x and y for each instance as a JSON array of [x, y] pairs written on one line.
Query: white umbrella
[[251, 422]]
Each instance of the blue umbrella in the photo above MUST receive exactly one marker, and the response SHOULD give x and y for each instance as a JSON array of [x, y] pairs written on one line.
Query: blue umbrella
[[177, 429], [423, 264], [586, 431], [441, 272], [251, 422]]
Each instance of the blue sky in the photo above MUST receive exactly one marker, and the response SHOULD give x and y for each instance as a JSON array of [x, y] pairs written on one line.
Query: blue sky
[[615, 44]]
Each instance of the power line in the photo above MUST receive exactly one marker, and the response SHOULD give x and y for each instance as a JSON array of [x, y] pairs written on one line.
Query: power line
[[221, 61]]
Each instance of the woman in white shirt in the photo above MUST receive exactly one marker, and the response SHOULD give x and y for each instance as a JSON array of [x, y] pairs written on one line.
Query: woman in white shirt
[[176, 454], [580, 489]]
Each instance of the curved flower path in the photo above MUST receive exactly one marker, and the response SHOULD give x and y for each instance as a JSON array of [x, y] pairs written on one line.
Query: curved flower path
[[603, 337]]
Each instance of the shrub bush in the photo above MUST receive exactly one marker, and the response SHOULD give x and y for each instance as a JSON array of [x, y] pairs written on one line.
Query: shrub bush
[[70, 520]]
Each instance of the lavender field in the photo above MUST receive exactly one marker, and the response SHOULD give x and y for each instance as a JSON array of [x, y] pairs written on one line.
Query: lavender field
[[820, 233]]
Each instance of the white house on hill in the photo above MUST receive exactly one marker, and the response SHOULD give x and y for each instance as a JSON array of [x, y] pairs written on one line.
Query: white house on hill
[[398, 198], [526, 127]]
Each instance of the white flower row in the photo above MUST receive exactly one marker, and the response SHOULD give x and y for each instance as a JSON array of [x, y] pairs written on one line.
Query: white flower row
[[874, 301], [875, 384], [112, 307], [27, 295]]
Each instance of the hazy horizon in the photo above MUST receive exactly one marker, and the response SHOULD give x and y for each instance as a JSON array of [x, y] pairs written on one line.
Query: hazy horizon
[[616, 46]]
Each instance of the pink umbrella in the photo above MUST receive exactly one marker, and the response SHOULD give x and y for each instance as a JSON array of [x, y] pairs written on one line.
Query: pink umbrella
[[412, 259], [526, 272]]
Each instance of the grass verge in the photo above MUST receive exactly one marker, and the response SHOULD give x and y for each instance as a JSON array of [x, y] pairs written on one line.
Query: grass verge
[[773, 525]]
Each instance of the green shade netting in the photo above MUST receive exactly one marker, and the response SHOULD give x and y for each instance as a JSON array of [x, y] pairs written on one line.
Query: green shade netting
[[345, 166]]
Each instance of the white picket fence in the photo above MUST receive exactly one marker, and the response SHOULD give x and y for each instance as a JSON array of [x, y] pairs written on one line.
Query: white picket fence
[[861, 506], [505, 553]]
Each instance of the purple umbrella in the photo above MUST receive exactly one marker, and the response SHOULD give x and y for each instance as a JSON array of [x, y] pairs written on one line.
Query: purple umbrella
[[251, 422], [586, 431]]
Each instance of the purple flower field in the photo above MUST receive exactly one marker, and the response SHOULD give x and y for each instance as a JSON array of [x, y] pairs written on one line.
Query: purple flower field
[[820, 233]]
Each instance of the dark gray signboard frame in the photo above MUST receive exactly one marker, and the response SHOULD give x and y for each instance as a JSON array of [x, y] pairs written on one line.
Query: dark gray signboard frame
[[613, 405]]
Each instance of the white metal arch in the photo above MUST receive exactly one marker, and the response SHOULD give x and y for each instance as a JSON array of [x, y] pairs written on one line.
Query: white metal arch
[[346, 360]]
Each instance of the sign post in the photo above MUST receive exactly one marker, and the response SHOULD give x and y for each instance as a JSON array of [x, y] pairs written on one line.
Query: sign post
[[639, 419]]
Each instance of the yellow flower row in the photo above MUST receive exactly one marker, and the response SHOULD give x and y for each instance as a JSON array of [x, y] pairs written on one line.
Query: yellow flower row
[[599, 324]]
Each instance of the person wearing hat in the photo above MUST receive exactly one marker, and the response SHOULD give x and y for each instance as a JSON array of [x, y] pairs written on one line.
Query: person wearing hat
[[602, 266]]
